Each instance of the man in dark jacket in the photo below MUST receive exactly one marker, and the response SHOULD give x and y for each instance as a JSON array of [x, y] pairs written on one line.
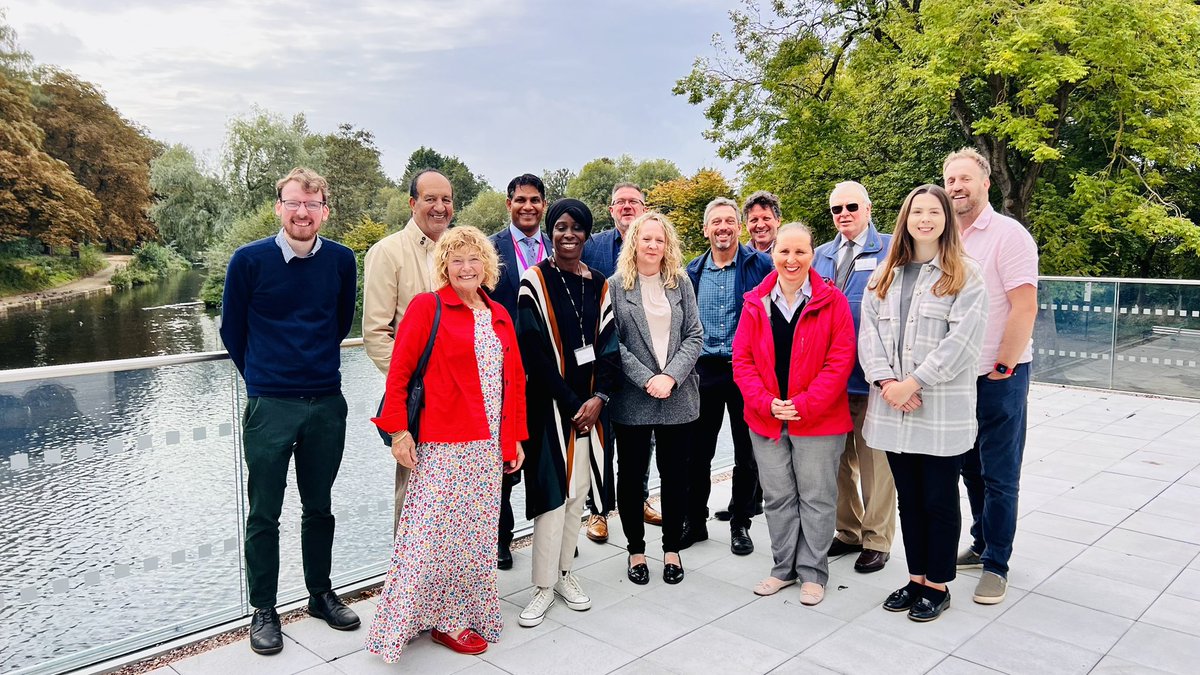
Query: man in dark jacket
[[865, 525], [720, 276], [520, 246]]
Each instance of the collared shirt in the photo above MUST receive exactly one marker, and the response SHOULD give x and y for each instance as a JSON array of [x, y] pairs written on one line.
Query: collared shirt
[[522, 248], [719, 307], [289, 252], [780, 299], [1008, 257]]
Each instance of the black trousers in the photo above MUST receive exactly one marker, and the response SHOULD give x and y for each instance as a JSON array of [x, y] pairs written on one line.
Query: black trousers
[[633, 460], [930, 518], [718, 393], [506, 513]]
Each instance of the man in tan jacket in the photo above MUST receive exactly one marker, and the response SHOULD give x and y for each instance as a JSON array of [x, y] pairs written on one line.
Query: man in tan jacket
[[396, 269]]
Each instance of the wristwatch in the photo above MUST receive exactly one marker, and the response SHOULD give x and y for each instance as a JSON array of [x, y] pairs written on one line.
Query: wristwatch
[[1003, 369], [603, 397]]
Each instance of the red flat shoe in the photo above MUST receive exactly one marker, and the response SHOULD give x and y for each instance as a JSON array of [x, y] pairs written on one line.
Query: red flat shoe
[[468, 642]]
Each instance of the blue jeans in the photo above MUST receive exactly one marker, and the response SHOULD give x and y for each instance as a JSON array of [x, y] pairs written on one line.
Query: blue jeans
[[992, 469]]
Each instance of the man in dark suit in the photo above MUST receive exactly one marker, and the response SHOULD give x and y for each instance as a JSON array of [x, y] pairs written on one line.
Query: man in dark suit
[[520, 245]]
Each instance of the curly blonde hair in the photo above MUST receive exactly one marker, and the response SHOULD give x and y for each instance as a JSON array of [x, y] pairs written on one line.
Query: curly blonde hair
[[672, 261], [465, 237]]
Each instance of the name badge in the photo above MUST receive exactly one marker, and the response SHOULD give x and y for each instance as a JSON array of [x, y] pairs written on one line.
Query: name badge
[[585, 355], [861, 264]]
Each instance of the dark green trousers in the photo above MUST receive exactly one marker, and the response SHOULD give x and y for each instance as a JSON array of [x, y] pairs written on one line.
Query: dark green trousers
[[313, 430]]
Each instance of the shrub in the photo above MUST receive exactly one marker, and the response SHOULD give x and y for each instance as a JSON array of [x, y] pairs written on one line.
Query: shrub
[[261, 223], [151, 261]]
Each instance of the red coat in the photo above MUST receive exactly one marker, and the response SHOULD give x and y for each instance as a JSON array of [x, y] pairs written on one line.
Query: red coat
[[453, 396], [823, 351]]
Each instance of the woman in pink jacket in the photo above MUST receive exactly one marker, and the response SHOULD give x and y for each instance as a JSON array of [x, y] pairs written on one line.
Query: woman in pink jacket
[[792, 355]]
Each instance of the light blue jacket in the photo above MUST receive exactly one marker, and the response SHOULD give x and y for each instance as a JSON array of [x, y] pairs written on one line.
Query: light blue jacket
[[825, 263]]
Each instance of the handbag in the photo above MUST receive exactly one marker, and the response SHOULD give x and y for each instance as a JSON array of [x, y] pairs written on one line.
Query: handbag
[[416, 384]]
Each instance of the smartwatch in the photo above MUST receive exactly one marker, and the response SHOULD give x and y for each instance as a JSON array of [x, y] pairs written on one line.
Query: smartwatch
[[1002, 369]]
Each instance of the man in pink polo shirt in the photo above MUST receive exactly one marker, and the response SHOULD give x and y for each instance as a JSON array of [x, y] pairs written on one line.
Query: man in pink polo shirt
[[1008, 257]]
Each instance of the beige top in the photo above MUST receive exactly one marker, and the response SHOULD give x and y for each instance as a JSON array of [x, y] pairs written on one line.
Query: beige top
[[658, 315], [396, 269]]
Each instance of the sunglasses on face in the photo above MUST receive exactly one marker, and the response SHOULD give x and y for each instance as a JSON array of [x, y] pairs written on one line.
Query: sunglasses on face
[[850, 208]]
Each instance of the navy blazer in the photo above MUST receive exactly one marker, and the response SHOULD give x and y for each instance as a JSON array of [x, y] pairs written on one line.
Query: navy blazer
[[509, 285], [600, 251], [752, 267]]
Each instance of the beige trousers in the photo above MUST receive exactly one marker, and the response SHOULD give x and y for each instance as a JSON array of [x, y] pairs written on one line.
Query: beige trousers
[[402, 475], [556, 533], [871, 519]]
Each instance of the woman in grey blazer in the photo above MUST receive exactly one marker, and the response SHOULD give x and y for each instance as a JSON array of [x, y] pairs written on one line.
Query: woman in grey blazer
[[922, 329], [658, 327]]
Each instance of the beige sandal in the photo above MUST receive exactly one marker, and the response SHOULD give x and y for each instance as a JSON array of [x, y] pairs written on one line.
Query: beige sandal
[[811, 593], [771, 586]]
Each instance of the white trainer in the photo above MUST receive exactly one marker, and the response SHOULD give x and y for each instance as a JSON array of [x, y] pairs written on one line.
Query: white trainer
[[535, 611], [571, 592]]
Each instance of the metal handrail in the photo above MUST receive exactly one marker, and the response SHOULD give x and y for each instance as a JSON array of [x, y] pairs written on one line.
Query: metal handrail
[[139, 363], [1123, 280]]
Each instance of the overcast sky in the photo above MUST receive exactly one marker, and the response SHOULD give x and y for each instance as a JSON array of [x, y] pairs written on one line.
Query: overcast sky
[[509, 86]]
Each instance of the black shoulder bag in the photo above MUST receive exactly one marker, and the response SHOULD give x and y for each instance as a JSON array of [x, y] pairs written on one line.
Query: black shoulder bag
[[416, 384]]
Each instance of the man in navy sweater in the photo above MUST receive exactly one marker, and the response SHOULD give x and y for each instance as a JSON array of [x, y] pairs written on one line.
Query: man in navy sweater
[[288, 304]]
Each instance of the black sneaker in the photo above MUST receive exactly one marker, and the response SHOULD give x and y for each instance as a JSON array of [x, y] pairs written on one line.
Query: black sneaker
[[266, 635]]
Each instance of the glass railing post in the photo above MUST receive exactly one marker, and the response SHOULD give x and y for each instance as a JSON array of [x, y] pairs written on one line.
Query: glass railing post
[[1112, 349]]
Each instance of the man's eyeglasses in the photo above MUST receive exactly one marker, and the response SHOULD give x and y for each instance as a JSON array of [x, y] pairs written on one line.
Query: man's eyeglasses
[[851, 208], [293, 205], [629, 202]]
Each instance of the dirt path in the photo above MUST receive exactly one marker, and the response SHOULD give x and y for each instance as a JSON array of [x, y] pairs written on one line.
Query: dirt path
[[97, 283]]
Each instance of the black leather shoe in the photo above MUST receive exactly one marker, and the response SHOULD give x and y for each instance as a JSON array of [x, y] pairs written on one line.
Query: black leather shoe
[[692, 533], [925, 610], [871, 561], [329, 606], [504, 560], [266, 635], [724, 515], [673, 574], [839, 547], [902, 599], [740, 542], [638, 574]]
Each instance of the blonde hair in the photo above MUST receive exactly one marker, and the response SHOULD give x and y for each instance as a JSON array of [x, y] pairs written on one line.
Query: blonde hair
[[309, 180], [952, 256], [971, 154], [472, 239], [672, 261]]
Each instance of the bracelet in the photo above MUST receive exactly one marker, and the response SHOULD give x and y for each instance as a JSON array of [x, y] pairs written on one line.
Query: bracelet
[[402, 435]]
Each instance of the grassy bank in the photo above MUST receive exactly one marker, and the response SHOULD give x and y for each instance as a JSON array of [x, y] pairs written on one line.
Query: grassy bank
[[22, 272], [150, 263]]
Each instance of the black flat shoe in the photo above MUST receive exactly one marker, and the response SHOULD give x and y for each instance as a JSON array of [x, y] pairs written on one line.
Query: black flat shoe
[[638, 574], [266, 634], [924, 609], [902, 599], [329, 606], [673, 574], [504, 559]]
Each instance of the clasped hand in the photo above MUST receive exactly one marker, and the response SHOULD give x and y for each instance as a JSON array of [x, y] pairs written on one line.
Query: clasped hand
[[784, 409], [902, 396], [660, 386], [587, 415]]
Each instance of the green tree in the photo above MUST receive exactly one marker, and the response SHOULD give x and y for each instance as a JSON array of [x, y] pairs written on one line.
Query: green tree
[[556, 181], [260, 148], [488, 212], [351, 164], [108, 154], [39, 196], [683, 201], [14, 61], [262, 223], [466, 184], [396, 210], [1085, 108], [594, 183], [191, 208]]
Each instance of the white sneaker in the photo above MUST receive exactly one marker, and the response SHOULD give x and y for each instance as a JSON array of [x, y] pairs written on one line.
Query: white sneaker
[[535, 611], [569, 589]]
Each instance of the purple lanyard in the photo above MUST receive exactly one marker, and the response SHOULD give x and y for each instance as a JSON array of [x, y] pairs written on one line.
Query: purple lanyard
[[521, 256]]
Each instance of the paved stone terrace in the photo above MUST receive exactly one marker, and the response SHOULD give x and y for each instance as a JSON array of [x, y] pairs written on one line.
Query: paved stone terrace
[[1105, 579]]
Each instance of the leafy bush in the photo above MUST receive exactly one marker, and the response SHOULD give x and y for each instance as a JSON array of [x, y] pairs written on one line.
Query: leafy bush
[[32, 272], [261, 223], [151, 262]]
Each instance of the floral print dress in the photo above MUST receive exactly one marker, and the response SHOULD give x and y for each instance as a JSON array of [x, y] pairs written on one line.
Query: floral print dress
[[443, 572]]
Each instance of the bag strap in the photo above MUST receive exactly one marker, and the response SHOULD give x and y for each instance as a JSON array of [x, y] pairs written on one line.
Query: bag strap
[[424, 361]]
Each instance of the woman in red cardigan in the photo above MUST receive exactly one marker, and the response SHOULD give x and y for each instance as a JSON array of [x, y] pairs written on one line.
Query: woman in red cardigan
[[443, 574], [792, 355]]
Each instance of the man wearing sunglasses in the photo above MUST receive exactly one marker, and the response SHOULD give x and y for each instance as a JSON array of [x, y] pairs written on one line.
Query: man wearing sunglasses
[[867, 524], [288, 304]]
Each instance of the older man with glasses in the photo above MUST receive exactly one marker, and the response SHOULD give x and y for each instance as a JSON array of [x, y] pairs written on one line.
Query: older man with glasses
[[600, 253], [867, 524]]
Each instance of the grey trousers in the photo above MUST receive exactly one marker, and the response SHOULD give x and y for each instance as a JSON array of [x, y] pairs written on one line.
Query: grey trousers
[[799, 482]]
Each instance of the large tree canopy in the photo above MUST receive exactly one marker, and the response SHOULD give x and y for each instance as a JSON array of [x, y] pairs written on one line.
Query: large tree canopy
[[191, 208], [466, 185], [594, 183], [350, 162], [261, 148], [108, 155], [1089, 111]]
